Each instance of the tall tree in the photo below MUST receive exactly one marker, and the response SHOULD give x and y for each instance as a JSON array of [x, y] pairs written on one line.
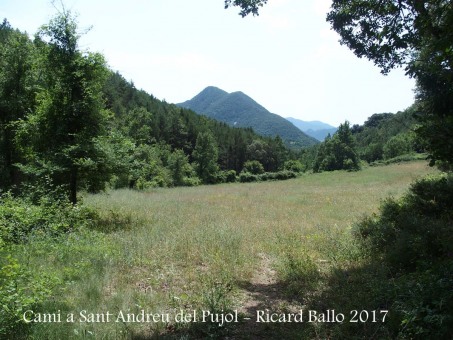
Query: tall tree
[[69, 114], [338, 152], [16, 96], [205, 156], [414, 34]]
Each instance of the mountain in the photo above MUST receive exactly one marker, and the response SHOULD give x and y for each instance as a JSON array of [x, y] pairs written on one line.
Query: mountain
[[309, 125], [239, 110], [320, 134], [315, 128]]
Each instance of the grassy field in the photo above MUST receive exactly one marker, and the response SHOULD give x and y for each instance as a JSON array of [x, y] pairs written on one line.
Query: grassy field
[[282, 246]]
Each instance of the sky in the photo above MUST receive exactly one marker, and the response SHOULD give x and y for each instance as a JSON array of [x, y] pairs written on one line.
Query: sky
[[287, 58]]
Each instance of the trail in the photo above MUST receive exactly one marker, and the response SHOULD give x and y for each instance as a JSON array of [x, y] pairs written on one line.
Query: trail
[[262, 293]]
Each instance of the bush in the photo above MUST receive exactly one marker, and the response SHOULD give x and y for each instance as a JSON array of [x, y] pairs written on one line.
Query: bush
[[285, 174], [413, 238], [415, 230], [245, 177], [398, 145], [268, 176], [19, 217], [228, 176], [294, 166], [400, 159], [253, 167], [20, 290]]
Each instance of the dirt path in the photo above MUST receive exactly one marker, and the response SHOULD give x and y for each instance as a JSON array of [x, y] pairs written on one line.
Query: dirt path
[[261, 293]]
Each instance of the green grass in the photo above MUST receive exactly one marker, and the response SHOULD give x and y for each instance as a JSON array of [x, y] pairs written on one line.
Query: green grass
[[193, 248]]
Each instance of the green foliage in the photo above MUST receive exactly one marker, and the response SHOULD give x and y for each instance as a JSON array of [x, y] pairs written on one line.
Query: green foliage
[[181, 171], [399, 159], [67, 118], [138, 125], [69, 114], [413, 239], [16, 97], [266, 176], [20, 218], [298, 272], [280, 175], [398, 145], [205, 156], [253, 167], [294, 165], [338, 152], [415, 35], [246, 177], [376, 132], [20, 290], [247, 6], [228, 176]]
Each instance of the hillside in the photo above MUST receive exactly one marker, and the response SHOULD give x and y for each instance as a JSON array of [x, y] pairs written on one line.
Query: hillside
[[315, 128], [387, 135], [239, 110]]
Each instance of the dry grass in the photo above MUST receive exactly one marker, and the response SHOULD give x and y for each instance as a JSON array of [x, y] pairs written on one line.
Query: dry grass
[[189, 241], [197, 248]]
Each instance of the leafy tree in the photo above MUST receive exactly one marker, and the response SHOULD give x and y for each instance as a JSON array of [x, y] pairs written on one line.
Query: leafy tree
[[379, 129], [16, 96], [418, 36], [205, 156], [398, 145], [69, 114], [413, 34], [258, 151], [180, 168], [247, 6], [137, 125], [338, 152]]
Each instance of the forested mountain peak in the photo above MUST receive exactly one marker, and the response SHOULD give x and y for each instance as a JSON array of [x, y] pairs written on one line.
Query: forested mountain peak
[[239, 110]]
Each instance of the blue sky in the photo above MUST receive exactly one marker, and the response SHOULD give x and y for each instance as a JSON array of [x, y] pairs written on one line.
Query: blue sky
[[287, 58]]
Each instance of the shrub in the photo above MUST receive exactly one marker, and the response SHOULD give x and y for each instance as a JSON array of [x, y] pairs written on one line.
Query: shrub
[[268, 176], [415, 230], [245, 177], [285, 174], [20, 290], [228, 176], [398, 145], [413, 238], [294, 166], [19, 217], [253, 167]]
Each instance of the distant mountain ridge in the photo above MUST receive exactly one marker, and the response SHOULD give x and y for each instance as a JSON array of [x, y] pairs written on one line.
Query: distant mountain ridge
[[315, 128], [238, 109]]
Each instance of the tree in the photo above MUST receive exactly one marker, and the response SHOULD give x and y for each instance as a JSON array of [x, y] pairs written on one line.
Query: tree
[[69, 115], [413, 34], [338, 152], [179, 166], [16, 96], [398, 145], [247, 6], [416, 35], [258, 151], [205, 156]]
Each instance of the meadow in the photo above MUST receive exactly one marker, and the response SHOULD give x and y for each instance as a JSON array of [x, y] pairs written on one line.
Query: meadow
[[281, 246]]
